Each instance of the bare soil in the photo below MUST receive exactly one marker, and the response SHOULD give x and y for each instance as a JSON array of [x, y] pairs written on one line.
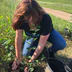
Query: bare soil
[[60, 14]]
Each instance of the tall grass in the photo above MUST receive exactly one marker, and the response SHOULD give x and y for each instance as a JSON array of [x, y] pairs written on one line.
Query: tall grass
[[7, 7]]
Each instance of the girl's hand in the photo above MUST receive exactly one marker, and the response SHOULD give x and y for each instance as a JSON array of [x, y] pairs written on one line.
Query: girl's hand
[[26, 69], [16, 63], [14, 66]]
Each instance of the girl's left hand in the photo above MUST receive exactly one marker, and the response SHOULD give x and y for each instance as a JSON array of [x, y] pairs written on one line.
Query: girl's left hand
[[26, 69]]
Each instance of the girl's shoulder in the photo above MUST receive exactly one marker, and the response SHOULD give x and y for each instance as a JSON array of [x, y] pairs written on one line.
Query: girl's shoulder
[[46, 15]]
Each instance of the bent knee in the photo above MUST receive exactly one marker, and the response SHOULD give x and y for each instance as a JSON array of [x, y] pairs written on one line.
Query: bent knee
[[62, 45]]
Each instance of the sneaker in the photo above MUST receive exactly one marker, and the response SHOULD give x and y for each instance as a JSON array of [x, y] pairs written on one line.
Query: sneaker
[[51, 54]]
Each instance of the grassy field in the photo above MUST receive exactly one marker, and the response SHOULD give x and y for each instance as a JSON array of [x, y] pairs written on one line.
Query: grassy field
[[63, 5], [59, 24], [58, 1], [7, 7]]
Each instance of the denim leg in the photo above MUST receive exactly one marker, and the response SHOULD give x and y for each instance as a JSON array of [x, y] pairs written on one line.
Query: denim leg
[[27, 44], [58, 42], [35, 43]]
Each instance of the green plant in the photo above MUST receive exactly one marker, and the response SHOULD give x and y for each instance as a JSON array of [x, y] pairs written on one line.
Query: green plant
[[69, 28], [38, 62], [5, 40]]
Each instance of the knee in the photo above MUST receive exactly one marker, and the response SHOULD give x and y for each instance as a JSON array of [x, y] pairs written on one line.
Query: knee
[[62, 45]]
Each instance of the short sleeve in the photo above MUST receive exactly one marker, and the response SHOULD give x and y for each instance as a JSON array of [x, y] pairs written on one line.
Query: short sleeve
[[23, 26], [46, 25]]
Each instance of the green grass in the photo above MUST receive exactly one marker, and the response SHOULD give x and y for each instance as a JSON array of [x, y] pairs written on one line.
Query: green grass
[[63, 5], [58, 1], [59, 24], [7, 7]]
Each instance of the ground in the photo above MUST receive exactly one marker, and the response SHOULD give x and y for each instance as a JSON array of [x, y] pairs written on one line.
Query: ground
[[60, 14]]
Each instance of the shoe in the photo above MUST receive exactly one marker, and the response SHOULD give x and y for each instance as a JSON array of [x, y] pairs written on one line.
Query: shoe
[[46, 53], [51, 54]]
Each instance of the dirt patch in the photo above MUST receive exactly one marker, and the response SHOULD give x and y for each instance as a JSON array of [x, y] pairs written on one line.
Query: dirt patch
[[60, 14]]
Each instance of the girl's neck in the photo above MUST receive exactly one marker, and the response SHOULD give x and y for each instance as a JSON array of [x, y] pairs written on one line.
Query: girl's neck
[[32, 26]]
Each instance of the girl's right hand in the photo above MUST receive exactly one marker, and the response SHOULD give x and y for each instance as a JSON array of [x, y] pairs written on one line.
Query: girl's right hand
[[26, 69], [16, 64]]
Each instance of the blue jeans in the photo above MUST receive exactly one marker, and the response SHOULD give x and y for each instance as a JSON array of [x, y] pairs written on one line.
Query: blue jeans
[[57, 41]]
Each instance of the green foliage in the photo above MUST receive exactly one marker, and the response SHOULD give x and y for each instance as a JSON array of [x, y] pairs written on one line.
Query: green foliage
[[69, 27], [7, 41], [6, 35], [7, 7], [31, 65]]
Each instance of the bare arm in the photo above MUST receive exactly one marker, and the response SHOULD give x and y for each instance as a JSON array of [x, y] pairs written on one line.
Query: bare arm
[[18, 43], [40, 47]]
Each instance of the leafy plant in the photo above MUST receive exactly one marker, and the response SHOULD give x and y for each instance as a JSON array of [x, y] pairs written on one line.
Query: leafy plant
[[31, 65], [39, 62], [6, 41], [69, 28]]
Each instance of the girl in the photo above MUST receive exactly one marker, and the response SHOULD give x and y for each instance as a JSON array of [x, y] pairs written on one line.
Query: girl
[[30, 17]]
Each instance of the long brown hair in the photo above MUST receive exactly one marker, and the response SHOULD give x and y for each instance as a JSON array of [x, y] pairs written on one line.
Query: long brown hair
[[24, 11]]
